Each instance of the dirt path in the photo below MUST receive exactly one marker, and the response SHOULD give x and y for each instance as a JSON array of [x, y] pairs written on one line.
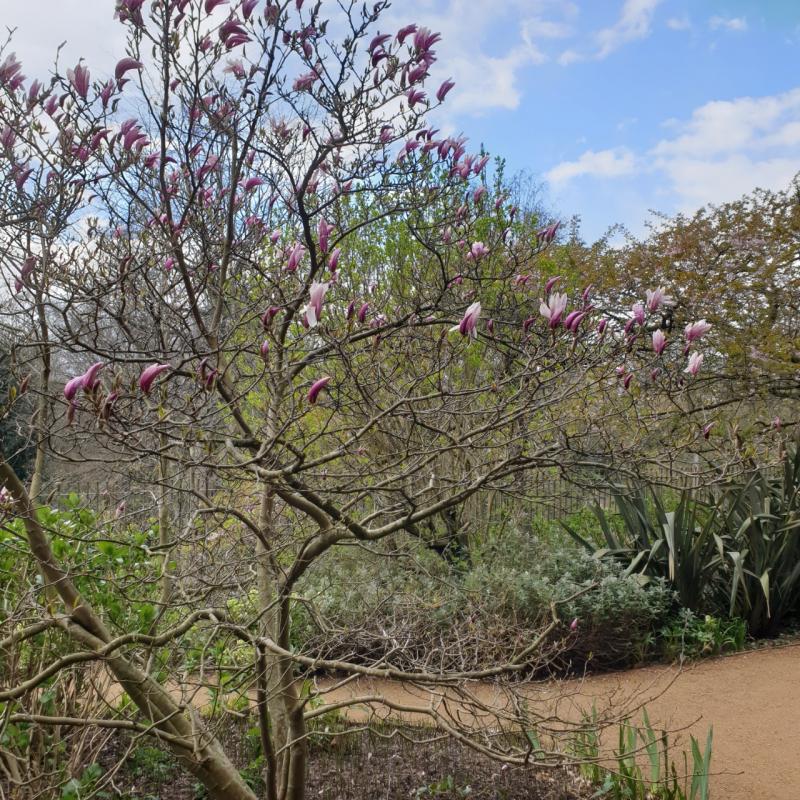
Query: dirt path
[[752, 700]]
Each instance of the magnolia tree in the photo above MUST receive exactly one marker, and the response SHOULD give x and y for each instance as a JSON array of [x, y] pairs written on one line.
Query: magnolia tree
[[295, 315]]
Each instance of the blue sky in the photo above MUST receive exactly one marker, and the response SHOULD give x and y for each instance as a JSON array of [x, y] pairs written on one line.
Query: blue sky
[[620, 106]]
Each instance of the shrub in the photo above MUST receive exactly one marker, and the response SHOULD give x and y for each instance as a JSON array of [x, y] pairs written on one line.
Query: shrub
[[498, 605]]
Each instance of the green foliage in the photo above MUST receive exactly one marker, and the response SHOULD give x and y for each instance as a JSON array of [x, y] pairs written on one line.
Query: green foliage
[[445, 786], [151, 763], [616, 613], [84, 786], [764, 547], [103, 562], [642, 765], [732, 551], [681, 546], [691, 636], [503, 598]]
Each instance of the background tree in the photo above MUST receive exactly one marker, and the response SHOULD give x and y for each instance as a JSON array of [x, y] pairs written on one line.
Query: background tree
[[736, 265]]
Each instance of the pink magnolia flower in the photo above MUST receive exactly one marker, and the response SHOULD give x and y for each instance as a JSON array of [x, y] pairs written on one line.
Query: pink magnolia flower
[[316, 388], [268, 315], [264, 349], [657, 298], [89, 378], [695, 331], [443, 90], [378, 41], [362, 312], [313, 309], [573, 320], [333, 261], [212, 4], [71, 387], [33, 94], [551, 283], [252, 183], [79, 78], [424, 39], [479, 165], [546, 235], [295, 257], [303, 83], [415, 96], [126, 65], [602, 325], [323, 231], [106, 93], [248, 6], [456, 281], [405, 32], [638, 313], [478, 251], [553, 309], [468, 325], [707, 430], [150, 374], [108, 405], [695, 362], [573, 626], [417, 73], [659, 342], [10, 74], [28, 265]]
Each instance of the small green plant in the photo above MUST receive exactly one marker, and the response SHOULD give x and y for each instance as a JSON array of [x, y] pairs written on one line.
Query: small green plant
[[85, 785], [641, 767], [151, 763], [445, 786], [691, 636]]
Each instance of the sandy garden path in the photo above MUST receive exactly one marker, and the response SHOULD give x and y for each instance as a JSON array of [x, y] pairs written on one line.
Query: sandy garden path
[[751, 699]]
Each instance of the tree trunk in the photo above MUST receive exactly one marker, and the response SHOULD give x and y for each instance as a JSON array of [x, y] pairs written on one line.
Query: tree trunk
[[196, 748]]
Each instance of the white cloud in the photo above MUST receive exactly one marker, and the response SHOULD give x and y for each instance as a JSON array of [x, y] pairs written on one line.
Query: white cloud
[[724, 150], [679, 23], [728, 147], [698, 182], [634, 23], [726, 126], [487, 46], [538, 28], [569, 57], [88, 28], [595, 164], [727, 23]]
